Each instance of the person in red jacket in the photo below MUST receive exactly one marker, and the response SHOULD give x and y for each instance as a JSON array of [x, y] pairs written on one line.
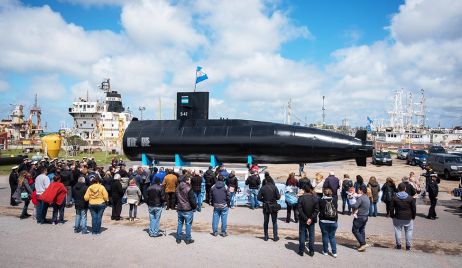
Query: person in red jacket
[[55, 195]]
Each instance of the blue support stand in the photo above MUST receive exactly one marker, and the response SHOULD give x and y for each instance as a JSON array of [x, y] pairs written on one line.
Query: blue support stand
[[249, 159], [214, 161], [179, 161], [145, 160]]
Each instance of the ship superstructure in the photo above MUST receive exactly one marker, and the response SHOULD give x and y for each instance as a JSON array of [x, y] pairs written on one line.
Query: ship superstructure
[[101, 122]]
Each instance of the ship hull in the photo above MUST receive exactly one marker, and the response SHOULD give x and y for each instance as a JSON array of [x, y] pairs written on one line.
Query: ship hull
[[232, 141]]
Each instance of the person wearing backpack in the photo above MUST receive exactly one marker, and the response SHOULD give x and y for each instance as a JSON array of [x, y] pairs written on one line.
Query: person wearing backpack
[[291, 197], [328, 217], [388, 191], [347, 183]]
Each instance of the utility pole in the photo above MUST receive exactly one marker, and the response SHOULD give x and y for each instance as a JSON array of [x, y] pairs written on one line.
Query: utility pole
[[142, 108], [323, 113], [160, 108], [289, 111]]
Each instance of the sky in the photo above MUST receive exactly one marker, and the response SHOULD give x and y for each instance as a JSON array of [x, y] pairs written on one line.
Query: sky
[[258, 54]]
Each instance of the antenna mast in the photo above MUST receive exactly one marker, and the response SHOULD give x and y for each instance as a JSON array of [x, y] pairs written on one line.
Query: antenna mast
[[323, 112]]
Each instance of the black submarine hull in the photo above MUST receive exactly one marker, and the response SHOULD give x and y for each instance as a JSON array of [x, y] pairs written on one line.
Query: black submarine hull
[[232, 141]]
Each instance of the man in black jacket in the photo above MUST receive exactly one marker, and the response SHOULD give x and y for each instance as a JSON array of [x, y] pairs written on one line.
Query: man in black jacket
[[81, 206], [209, 177], [403, 211], [186, 204], [432, 189], [156, 201], [117, 193], [269, 195], [253, 181], [13, 180], [66, 179], [308, 209], [232, 184]]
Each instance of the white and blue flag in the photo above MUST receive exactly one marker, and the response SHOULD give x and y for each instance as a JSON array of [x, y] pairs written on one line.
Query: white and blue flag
[[200, 75], [370, 125]]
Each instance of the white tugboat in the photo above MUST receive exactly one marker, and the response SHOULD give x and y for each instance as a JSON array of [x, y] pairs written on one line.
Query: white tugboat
[[101, 123]]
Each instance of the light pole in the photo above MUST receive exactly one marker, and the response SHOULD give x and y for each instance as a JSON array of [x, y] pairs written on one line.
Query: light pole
[[141, 108]]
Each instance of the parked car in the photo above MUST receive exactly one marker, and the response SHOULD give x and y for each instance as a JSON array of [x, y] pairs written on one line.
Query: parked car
[[381, 158], [402, 153], [436, 149], [446, 164], [416, 157]]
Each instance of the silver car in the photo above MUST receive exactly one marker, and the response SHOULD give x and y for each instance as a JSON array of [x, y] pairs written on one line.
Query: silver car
[[402, 153]]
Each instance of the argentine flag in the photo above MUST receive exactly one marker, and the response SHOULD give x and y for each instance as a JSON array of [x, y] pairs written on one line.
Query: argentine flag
[[200, 75]]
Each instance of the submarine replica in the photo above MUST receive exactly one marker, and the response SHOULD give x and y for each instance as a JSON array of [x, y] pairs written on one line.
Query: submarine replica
[[195, 138]]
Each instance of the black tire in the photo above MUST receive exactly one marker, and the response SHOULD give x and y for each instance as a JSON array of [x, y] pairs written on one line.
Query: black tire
[[390, 164], [447, 176], [413, 162]]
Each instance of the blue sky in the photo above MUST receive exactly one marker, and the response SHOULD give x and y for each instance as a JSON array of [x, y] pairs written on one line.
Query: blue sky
[[258, 54]]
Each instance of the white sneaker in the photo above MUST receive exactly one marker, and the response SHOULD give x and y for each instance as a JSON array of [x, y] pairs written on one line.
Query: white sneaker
[[334, 255], [325, 253]]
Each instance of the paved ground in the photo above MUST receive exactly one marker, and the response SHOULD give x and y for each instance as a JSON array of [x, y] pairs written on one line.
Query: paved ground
[[437, 243]]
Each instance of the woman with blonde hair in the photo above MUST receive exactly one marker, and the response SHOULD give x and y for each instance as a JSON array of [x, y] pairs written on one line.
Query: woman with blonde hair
[[318, 184], [133, 198], [24, 192]]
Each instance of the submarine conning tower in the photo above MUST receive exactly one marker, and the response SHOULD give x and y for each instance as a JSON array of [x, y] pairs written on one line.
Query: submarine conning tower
[[192, 105]]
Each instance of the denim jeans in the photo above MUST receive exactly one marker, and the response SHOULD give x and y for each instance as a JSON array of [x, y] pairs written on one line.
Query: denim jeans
[[232, 197], [58, 209], [373, 209], [302, 229], [154, 220], [69, 199], [198, 196], [80, 220], [274, 218], [42, 209], [408, 228], [359, 229], [253, 198], [96, 217], [220, 213], [184, 217], [345, 203], [328, 236], [24, 209]]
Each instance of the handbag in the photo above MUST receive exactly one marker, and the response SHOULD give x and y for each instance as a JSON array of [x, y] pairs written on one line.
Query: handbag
[[272, 207], [24, 196], [124, 198], [457, 192]]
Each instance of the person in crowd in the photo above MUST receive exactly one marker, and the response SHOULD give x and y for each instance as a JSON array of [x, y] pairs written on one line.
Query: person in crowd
[[308, 208], [55, 195], [291, 189], [133, 193], [209, 177], [67, 180], [155, 201], [388, 192], [432, 189], [220, 199], [362, 205], [107, 180], [374, 187], [359, 181], [142, 180], [302, 182], [185, 209], [269, 195], [347, 183], [170, 184], [332, 183], [196, 183], [410, 190], [415, 182], [13, 181], [25, 192], [81, 206], [97, 196], [328, 217], [41, 184], [318, 183], [253, 181], [403, 212], [117, 192], [232, 184]]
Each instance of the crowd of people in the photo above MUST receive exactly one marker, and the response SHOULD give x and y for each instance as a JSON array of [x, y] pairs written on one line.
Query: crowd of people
[[83, 184]]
